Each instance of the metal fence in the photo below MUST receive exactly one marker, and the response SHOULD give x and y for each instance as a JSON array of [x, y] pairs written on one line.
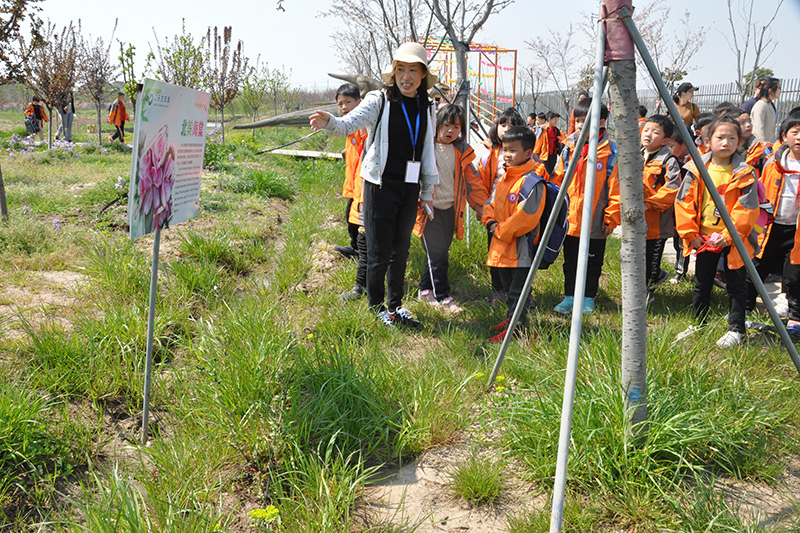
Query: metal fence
[[706, 97]]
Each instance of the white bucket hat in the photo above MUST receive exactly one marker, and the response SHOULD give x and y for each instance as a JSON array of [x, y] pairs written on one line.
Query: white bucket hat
[[410, 53]]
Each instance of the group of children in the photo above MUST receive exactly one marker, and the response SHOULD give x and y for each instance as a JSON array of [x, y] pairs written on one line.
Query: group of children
[[507, 192]]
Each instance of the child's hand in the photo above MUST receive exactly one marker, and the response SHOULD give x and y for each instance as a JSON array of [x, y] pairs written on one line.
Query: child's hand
[[718, 240], [697, 243], [479, 212], [319, 120], [607, 230]]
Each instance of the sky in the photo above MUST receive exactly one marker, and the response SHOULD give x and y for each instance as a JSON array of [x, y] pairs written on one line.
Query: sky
[[299, 39]]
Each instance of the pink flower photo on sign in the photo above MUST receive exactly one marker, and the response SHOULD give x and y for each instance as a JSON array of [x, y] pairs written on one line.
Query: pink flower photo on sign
[[155, 178]]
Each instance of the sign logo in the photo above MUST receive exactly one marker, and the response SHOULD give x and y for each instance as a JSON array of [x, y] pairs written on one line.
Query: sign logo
[[512, 198], [599, 166]]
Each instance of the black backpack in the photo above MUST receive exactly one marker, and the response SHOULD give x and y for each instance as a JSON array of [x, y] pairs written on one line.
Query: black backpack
[[556, 240]]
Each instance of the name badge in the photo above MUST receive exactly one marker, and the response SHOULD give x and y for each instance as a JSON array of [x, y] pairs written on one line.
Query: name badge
[[412, 171]]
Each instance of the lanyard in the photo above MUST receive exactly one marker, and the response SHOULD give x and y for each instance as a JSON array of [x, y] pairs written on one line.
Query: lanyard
[[414, 134]]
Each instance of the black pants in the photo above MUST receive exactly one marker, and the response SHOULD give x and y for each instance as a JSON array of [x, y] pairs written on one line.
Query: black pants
[[352, 229], [361, 269], [654, 251], [550, 164], [681, 262], [390, 211], [597, 250], [497, 285], [704, 271], [513, 280], [777, 250], [436, 240], [120, 133]]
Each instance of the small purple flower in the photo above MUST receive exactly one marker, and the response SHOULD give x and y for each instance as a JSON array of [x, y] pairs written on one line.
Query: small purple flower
[[57, 224], [230, 157], [26, 210]]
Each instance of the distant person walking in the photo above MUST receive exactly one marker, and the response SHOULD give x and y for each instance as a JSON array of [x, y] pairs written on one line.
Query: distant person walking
[[36, 110], [764, 114], [683, 100], [117, 116], [66, 111], [750, 102]]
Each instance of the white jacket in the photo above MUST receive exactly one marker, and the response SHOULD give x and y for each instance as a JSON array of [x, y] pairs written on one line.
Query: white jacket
[[377, 145]]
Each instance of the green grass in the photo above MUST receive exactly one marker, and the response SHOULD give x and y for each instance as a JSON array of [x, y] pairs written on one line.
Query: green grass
[[268, 390], [478, 480]]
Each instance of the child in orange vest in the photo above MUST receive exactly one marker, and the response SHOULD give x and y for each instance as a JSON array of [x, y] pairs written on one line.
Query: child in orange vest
[[458, 184], [755, 153], [678, 149], [36, 110], [605, 211], [662, 177], [491, 169], [642, 118], [701, 228], [780, 244], [512, 215], [347, 98]]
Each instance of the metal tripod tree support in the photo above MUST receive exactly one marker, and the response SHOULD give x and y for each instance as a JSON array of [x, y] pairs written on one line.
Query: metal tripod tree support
[[575, 332]]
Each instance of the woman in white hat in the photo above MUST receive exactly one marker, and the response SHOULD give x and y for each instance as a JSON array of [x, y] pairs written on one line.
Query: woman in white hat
[[399, 172]]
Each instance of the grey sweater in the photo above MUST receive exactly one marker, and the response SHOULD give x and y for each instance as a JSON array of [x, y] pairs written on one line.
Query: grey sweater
[[376, 150], [764, 121]]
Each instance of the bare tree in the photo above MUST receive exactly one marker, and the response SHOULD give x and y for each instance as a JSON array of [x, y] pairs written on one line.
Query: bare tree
[[255, 88], [561, 60], [14, 52], [226, 70], [534, 78], [52, 69], [749, 35], [460, 21], [373, 29], [97, 72], [180, 62]]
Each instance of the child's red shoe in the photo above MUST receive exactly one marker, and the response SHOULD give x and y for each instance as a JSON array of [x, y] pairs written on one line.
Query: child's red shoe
[[500, 337], [502, 325]]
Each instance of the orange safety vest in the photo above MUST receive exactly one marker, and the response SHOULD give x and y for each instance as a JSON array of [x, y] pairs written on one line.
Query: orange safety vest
[[772, 178], [353, 148], [516, 204], [741, 201], [661, 179], [605, 198]]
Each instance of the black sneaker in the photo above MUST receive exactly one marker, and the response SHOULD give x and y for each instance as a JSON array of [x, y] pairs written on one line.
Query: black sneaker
[[661, 278], [346, 251], [403, 316], [353, 294]]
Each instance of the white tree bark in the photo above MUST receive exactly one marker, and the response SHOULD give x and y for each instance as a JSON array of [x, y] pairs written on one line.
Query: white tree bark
[[624, 105]]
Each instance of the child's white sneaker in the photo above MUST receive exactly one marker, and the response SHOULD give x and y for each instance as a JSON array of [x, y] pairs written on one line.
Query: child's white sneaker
[[731, 338]]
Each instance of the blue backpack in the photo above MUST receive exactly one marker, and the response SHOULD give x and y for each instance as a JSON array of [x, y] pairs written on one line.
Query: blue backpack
[[556, 240]]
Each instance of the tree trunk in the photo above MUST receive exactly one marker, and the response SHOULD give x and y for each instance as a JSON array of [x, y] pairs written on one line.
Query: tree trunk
[[50, 128], [99, 133], [625, 104], [3, 204], [222, 124], [461, 66]]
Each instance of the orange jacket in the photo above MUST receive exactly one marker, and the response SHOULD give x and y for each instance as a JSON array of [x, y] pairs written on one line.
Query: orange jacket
[[772, 178], [755, 153], [642, 122], [117, 116], [741, 201], [540, 148], [605, 200], [352, 159], [661, 178], [30, 111], [571, 123], [516, 204], [468, 187], [487, 168]]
